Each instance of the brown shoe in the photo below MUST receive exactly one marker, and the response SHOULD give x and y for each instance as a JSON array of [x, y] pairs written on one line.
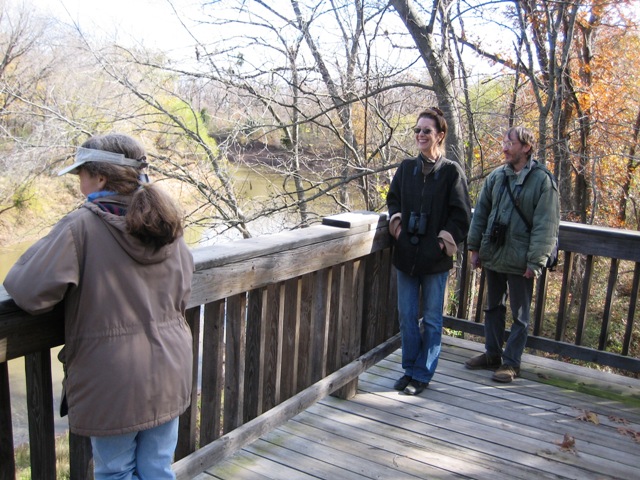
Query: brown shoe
[[506, 374], [483, 361]]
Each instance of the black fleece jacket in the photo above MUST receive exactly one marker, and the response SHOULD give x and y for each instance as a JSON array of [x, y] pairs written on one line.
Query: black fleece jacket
[[443, 196]]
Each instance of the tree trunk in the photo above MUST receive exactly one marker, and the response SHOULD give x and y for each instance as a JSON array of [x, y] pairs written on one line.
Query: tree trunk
[[436, 61]]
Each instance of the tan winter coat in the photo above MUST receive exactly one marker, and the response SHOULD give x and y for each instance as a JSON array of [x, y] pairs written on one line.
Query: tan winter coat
[[128, 349]]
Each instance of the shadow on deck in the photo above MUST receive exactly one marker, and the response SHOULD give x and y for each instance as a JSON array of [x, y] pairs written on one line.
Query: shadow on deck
[[463, 426]]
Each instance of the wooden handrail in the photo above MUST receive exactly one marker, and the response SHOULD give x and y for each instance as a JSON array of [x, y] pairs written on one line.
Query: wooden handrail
[[275, 315], [580, 246], [291, 306]]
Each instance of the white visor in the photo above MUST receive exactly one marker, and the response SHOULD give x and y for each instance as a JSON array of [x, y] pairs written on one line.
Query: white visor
[[85, 155]]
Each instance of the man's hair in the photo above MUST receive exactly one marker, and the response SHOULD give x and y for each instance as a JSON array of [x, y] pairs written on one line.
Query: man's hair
[[524, 136]]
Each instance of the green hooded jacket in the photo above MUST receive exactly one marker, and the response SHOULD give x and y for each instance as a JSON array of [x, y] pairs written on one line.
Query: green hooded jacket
[[539, 202]]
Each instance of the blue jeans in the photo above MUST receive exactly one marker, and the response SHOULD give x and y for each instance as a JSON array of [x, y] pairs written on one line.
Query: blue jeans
[[421, 346], [147, 454], [520, 294]]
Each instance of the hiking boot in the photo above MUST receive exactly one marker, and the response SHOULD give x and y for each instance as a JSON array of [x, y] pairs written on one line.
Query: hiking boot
[[402, 383], [415, 387], [483, 361], [506, 373]]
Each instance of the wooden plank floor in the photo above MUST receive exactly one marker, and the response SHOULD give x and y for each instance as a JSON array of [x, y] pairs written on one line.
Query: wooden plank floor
[[463, 426]]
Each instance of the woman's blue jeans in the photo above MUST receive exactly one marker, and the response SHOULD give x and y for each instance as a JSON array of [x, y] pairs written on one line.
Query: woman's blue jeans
[[147, 454], [421, 344]]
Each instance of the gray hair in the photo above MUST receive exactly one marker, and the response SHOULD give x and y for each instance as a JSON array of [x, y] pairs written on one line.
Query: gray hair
[[524, 136]]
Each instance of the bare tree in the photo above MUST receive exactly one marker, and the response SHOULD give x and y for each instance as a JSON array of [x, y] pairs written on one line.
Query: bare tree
[[21, 37], [340, 100], [432, 37], [323, 93]]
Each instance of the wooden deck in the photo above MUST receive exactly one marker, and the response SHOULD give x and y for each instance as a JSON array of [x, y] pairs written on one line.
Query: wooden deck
[[463, 426]]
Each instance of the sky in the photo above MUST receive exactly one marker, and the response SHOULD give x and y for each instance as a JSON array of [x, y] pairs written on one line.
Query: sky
[[152, 23]]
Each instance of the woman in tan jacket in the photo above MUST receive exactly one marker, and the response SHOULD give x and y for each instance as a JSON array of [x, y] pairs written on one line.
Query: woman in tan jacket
[[121, 266]]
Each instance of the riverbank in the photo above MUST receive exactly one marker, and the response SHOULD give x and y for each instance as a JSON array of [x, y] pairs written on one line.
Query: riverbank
[[46, 199], [32, 211]]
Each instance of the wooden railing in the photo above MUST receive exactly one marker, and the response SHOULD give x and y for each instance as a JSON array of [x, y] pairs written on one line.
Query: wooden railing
[[581, 308], [282, 320], [270, 317]]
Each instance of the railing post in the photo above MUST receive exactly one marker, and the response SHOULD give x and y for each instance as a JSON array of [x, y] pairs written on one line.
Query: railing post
[[212, 371], [80, 456], [187, 426], [253, 366], [234, 362], [7, 461], [40, 407], [464, 282], [541, 300], [351, 312], [606, 316], [633, 305]]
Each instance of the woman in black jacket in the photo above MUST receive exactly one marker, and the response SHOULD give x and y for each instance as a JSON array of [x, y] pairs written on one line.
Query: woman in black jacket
[[430, 212]]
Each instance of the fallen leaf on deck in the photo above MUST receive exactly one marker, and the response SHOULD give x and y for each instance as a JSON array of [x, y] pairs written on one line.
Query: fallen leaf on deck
[[615, 419], [630, 433], [588, 416], [568, 444]]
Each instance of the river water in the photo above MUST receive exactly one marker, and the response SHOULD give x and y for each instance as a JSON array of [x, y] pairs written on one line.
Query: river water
[[254, 186]]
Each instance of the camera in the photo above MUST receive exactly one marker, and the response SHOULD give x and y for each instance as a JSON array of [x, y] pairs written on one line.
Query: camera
[[417, 226], [498, 233]]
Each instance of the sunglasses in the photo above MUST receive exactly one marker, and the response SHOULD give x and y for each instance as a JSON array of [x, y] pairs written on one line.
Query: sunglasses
[[425, 131]]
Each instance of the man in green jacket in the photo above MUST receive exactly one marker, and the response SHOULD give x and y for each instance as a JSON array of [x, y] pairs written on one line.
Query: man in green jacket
[[513, 232]]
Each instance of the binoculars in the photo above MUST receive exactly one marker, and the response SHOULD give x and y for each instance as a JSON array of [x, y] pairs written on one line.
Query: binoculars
[[417, 226]]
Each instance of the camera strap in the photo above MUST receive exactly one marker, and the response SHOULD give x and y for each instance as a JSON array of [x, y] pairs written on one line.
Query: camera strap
[[552, 259], [425, 200], [516, 202], [504, 186]]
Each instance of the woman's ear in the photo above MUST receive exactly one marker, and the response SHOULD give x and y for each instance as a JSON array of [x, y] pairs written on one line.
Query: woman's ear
[[102, 181]]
